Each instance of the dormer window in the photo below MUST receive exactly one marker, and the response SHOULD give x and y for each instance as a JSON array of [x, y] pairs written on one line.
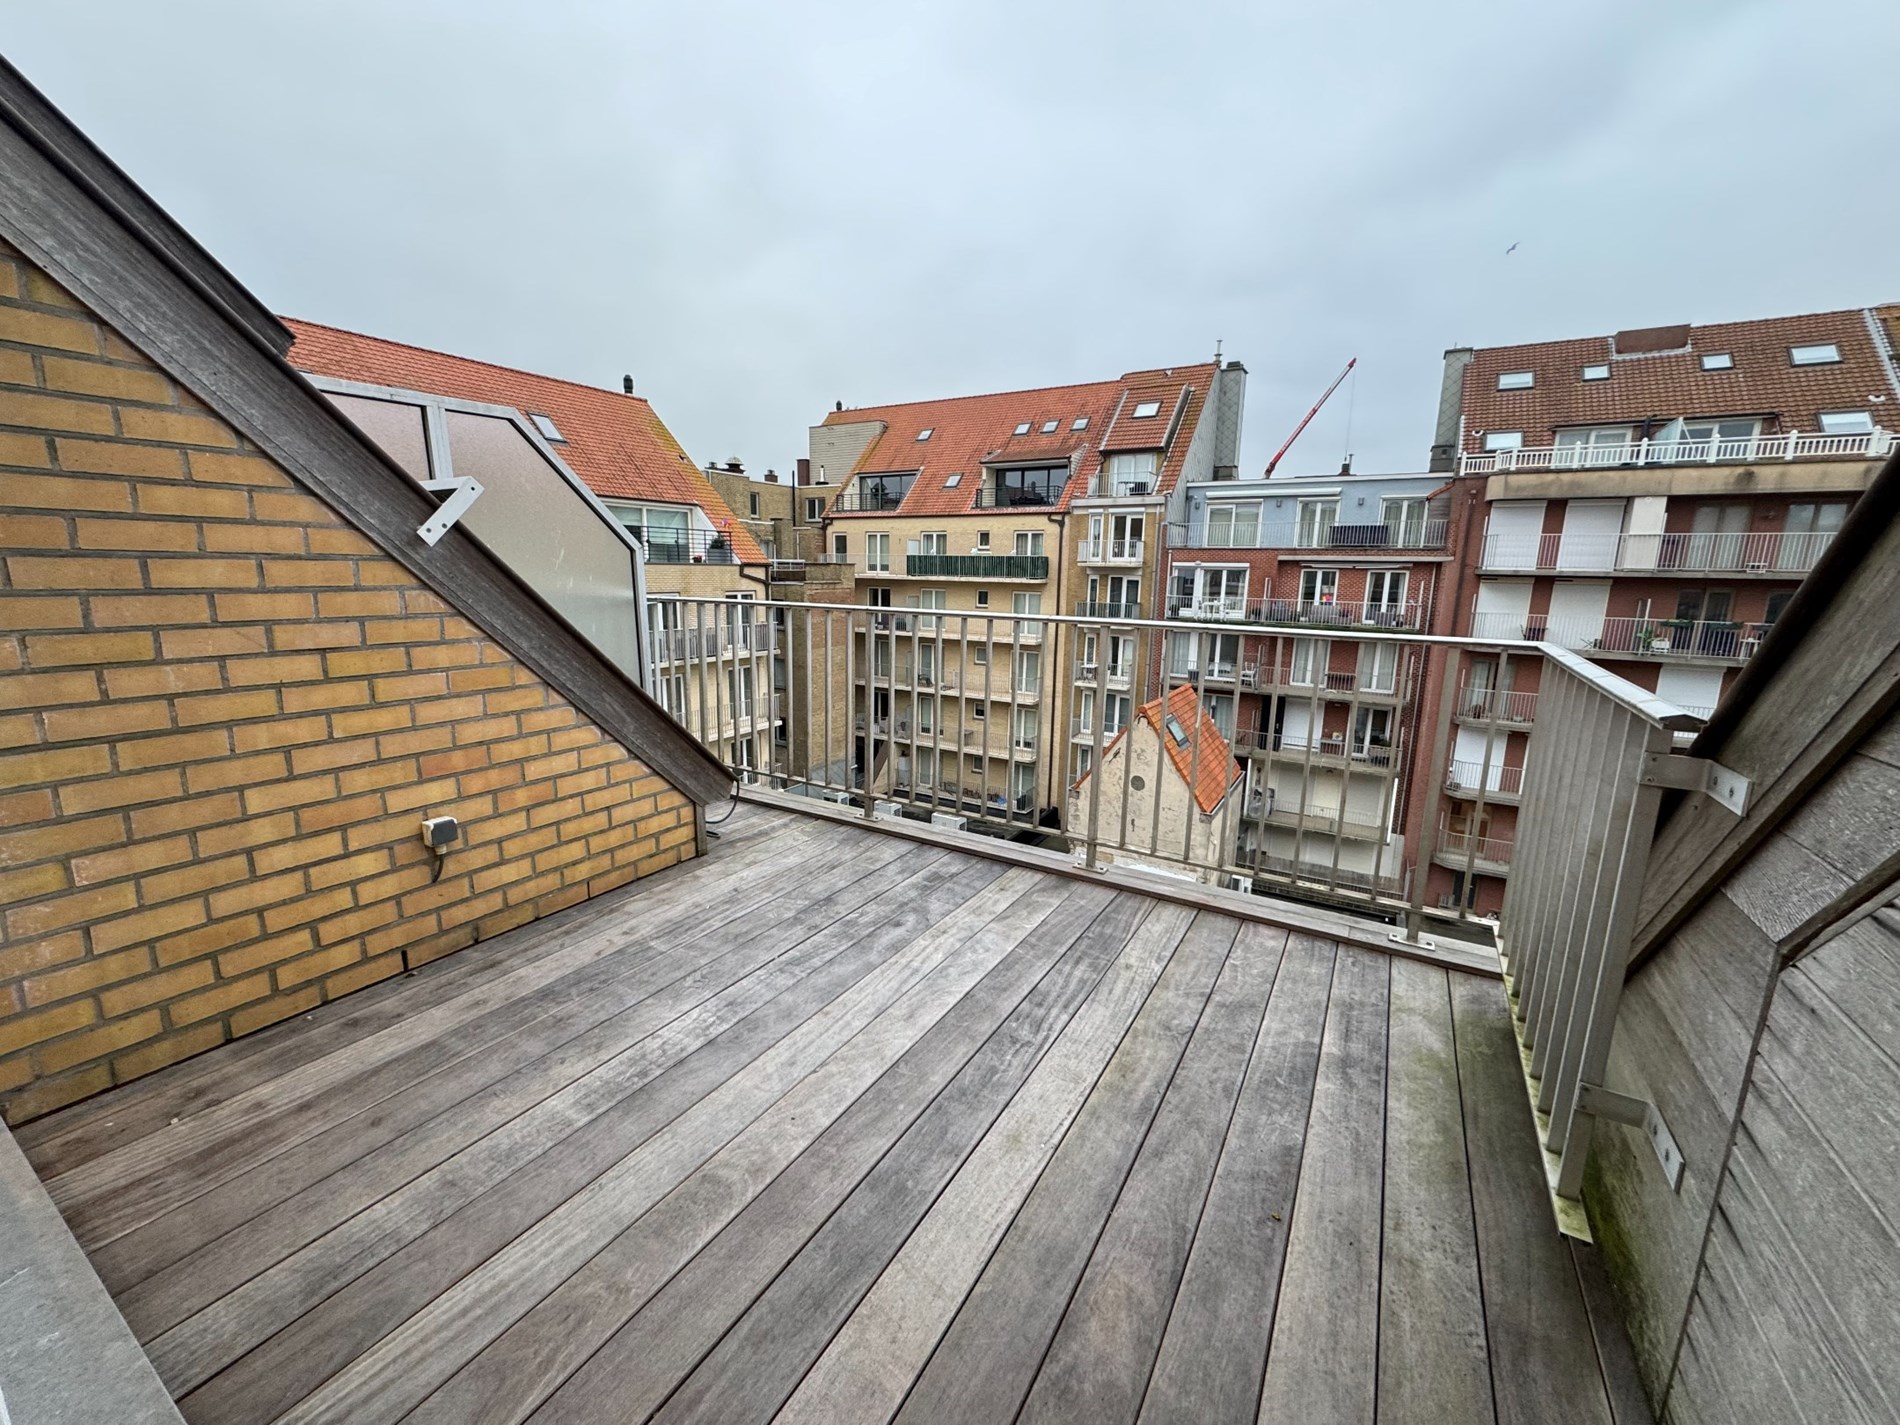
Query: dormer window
[[1819, 354], [549, 430], [1718, 361], [1516, 380], [926, 432], [1144, 409]]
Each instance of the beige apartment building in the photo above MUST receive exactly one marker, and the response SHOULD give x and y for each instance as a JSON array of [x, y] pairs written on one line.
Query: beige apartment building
[[614, 443], [964, 521]]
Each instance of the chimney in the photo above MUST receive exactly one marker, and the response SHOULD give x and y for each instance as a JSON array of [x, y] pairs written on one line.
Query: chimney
[[1230, 394], [626, 384], [837, 405], [801, 475], [1345, 466], [734, 466], [1451, 412], [771, 476]]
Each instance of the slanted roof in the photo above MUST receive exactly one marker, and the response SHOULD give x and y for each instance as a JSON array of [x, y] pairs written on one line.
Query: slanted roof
[[1205, 761], [617, 443], [1656, 374], [969, 432]]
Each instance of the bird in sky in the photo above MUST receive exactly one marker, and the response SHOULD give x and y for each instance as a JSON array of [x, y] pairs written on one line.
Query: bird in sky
[[1511, 249]]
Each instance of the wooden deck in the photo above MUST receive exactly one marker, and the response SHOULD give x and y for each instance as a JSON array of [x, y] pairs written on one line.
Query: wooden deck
[[832, 1126]]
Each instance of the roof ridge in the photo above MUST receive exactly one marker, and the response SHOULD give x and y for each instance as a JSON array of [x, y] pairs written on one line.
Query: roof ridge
[[1693, 326], [466, 360], [1023, 391]]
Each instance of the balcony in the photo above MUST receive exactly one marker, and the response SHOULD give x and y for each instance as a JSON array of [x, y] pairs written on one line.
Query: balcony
[[1484, 855], [1424, 537], [1110, 609], [1327, 613], [1315, 815], [684, 546], [1135, 487], [1506, 707], [713, 640], [1110, 551], [1348, 754], [1118, 679], [1719, 641], [1766, 555], [1759, 450], [1500, 783], [1020, 497], [1033, 568]]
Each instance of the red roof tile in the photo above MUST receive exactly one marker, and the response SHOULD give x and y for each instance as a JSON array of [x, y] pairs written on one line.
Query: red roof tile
[[968, 432], [1212, 773], [614, 442], [1656, 373]]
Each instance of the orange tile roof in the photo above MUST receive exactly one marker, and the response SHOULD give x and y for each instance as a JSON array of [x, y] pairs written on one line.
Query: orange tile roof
[[1213, 773], [615, 442], [968, 432]]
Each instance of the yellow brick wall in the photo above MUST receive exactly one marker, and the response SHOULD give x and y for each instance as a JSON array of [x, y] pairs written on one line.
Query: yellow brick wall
[[223, 715]]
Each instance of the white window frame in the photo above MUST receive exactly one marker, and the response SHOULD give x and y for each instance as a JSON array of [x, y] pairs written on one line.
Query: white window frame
[[1847, 422], [1517, 380], [1817, 353], [1498, 440], [1718, 361], [877, 553], [1316, 519], [1596, 371]]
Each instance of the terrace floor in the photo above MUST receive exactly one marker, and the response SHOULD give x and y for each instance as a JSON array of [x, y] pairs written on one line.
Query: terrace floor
[[830, 1125]]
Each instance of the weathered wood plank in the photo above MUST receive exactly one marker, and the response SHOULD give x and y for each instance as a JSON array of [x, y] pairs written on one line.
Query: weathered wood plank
[[687, 1096], [1098, 1365], [642, 1004], [775, 1286], [987, 1361], [64, 1140], [1433, 1363], [1622, 1382], [1322, 1359], [1214, 1353], [440, 1113], [946, 1019], [1543, 1364], [871, 1362]]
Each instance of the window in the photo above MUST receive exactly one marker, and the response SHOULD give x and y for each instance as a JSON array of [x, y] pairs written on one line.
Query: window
[[1718, 361], [1404, 522], [979, 712], [1079, 423], [983, 595], [982, 541], [739, 692], [1036, 485], [1028, 670], [877, 553], [814, 511], [840, 547], [954, 481], [934, 541], [1026, 729], [1846, 422], [1819, 354], [665, 532], [1028, 542], [1708, 440], [1023, 606], [1385, 595], [926, 432], [1504, 440], [1214, 591], [980, 654], [1051, 427], [1235, 526], [754, 499], [877, 598], [1587, 446], [1022, 429], [1306, 663], [1599, 372], [549, 430], [929, 599], [1378, 667], [1319, 586], [1144, 409], [1516, 380], [1316, 523], [1372, 735], [1809, 531]]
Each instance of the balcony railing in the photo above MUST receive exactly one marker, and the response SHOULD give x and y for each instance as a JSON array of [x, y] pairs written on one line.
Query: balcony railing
[[717, 639], [869, 499], [1465, 778], [1328, 613], [1766, 554], [1677, 640], [1876, 444], [1489, 852], [1034, 567], [1428, 535], [1298, 747], [1497, 705], [1121, 487], [1019, 497], [1117, 609], [685, 546], [1111, 551]]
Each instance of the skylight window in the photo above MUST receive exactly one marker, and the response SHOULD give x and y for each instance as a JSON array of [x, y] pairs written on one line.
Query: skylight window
[[1516, 380], [1596, 373], [1145, 409], [1846, 422], [1050, 427], [1718, 361], [954, 481], [549, 430], [1504, 440], [926, 432], [1820, 354], [1079, 423], [1176, 731]]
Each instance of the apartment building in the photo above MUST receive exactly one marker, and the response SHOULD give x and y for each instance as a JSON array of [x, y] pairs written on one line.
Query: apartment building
[[613, 444], [1303, 569], [1652, 499], [969, 517]]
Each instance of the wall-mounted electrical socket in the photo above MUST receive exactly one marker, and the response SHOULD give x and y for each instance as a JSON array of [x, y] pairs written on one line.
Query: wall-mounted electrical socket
[[441, 832]]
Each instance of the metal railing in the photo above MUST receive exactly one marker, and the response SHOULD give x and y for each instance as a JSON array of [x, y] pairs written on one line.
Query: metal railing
[[686, 546], [1362, 538], [1314, 793], [1721, 640], [1033, 567], [1865, 445], [1020, 497], [1768, 554], [1326, 613], [1111, 551]]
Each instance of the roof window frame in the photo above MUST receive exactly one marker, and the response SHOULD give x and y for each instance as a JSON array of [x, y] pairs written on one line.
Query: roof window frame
[[1506, 381], [1796, 358]]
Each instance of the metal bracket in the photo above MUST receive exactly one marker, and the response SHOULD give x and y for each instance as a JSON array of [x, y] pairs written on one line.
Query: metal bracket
[[463, 491], [1615, 1107], [1697, 774]]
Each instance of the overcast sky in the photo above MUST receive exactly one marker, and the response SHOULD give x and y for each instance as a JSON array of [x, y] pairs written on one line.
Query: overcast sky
[[758, 209]]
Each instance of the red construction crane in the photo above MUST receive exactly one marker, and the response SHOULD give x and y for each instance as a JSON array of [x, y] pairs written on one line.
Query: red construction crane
[[1281, 452]]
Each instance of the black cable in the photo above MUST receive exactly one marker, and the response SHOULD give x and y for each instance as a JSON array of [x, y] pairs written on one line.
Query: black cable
[[731, 807], [440, 857]]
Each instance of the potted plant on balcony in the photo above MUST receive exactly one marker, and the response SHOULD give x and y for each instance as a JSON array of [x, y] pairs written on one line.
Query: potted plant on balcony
[[1649, 639], [1674, 631]]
